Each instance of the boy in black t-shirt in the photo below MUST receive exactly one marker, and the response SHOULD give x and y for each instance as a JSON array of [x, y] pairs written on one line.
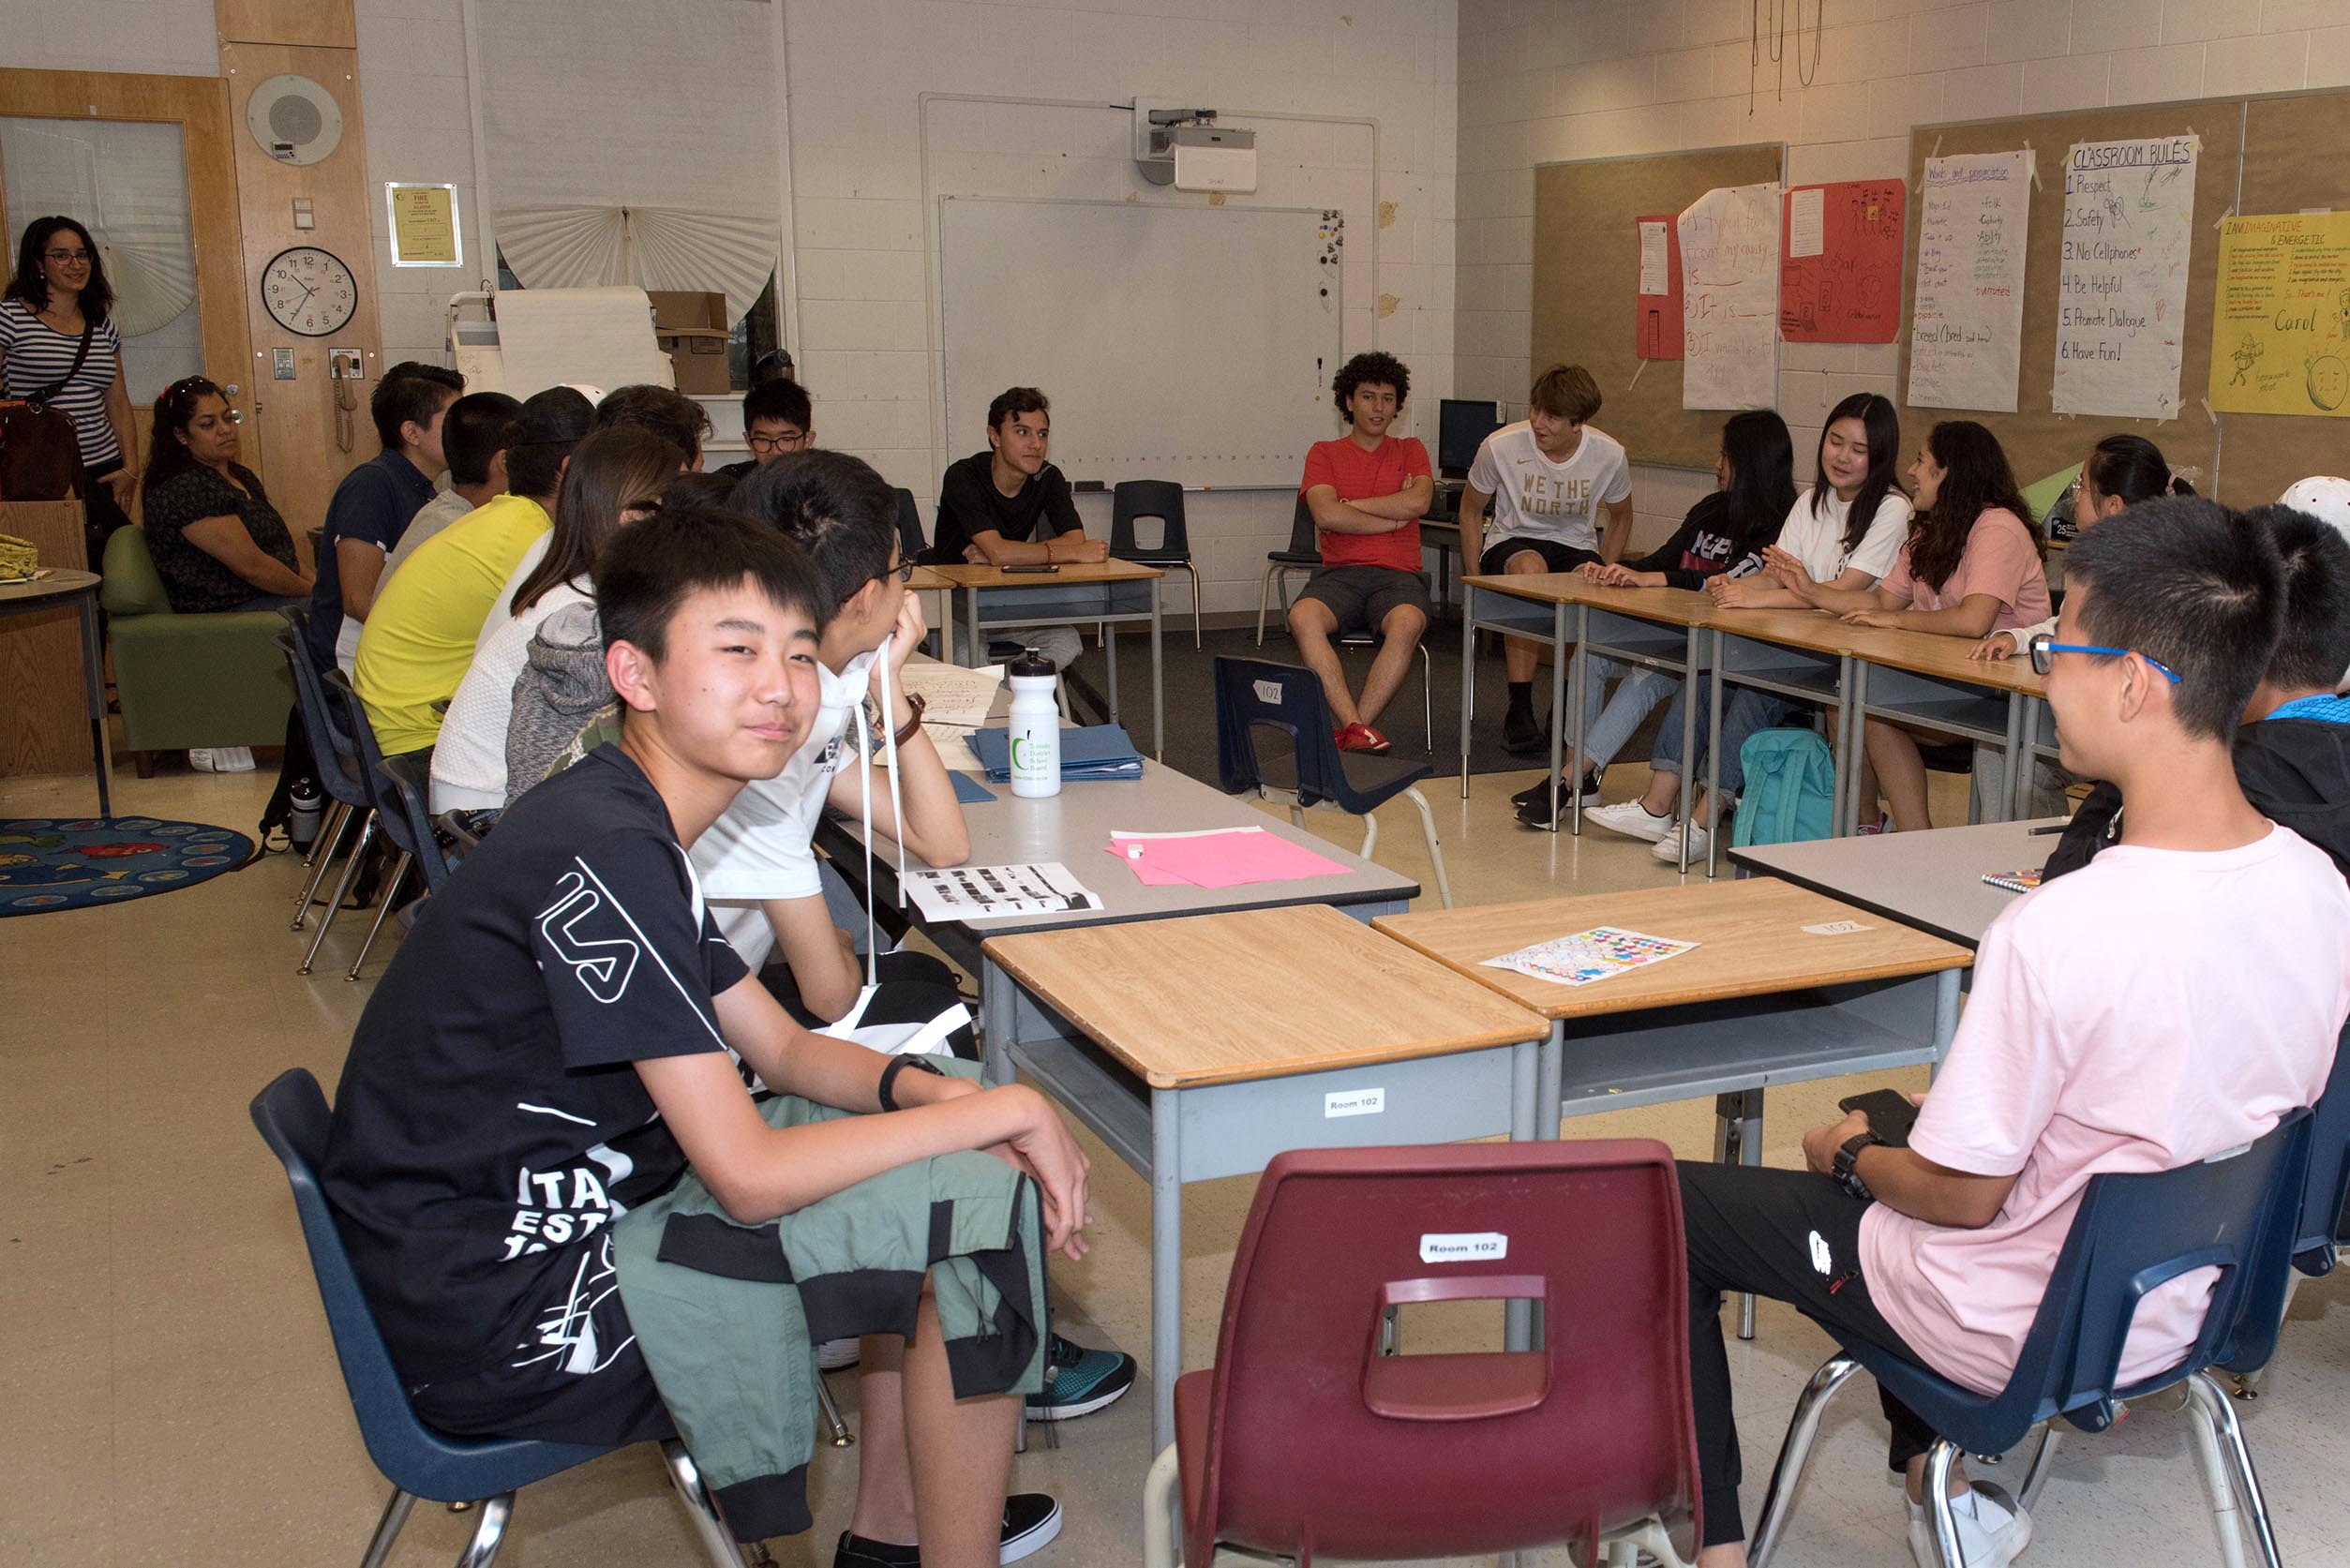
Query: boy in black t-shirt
[[1007, 506], [558, 1037]]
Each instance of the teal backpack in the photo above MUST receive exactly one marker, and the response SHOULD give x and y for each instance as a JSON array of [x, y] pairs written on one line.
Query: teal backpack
[[1790, 788]]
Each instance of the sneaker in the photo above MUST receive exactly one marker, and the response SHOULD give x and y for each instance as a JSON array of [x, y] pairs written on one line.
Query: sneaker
[[1991, 1533], [1631, 819], [1669, 847], [1078, 1381], [1537, 794], [1868, 829], [1362, 738], [1031, 1520], [835, 1355], [1522, 733]]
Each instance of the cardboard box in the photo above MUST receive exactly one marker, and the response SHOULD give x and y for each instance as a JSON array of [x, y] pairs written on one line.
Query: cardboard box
[[691, 328]]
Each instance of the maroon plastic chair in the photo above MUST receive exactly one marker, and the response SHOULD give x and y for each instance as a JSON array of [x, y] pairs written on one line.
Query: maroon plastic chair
[[1305, 1440]]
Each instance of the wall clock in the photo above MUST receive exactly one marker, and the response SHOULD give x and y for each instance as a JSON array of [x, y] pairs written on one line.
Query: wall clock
[[309, 292]]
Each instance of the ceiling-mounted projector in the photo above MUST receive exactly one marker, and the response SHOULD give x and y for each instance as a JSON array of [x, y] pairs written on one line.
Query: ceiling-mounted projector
[[1186, 149]]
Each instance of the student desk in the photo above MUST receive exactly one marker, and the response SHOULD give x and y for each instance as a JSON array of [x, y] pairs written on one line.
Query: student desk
[[1761, 1001], [1097, 592], [1928, 679], [1932, 881], [1798, 653], [1202, 1048], [1655, 628], [1074, 828]]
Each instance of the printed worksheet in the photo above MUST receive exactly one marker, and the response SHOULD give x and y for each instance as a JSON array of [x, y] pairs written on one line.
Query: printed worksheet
[[987, 892], [1588, 956]]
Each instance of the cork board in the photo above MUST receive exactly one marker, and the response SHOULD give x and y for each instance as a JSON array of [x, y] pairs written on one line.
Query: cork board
[[1587, 271]]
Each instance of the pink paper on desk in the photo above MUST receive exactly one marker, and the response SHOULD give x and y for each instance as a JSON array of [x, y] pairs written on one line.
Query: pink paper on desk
[[1219, 857]]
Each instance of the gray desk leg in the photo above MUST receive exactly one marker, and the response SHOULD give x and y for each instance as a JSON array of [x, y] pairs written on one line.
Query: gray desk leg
[[94, 693], [1712, 746], [1159, 676], [1738, 1141], [1550, 1071], [1946, 985], [999, 1005], [1468, 677], [1525, 1122], [1558, 710], [1855, 737], [1108, 630], [2013, 767], [1166, 1263], [2027, 768], [979, 648], [1688, 739]]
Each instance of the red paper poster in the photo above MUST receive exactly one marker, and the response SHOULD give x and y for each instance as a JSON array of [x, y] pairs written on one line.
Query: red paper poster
[[1656, 319], [1840, 262]]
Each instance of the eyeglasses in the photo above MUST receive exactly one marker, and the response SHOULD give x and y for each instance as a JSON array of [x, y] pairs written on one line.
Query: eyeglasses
[[2045, 647], [776, 443], [63, 257], [902, 571]]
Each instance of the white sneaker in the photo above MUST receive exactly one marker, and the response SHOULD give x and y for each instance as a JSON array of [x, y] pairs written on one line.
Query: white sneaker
[[221, 759], [1992, 1536], [1630, 818], [1669, 847], [834, 1354]]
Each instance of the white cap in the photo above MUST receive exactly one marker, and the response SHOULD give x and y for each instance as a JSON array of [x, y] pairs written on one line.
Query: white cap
[[595, 394], [2322, 497]]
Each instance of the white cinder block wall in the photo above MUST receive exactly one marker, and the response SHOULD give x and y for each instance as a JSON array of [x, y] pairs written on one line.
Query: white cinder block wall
[[1543, 81], [855, 70]]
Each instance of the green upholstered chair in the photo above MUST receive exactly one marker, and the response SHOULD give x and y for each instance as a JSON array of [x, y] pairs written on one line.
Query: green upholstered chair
[[188, 680]]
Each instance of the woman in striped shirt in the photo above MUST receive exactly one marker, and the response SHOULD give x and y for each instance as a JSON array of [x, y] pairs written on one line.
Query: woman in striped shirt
[[59, 292]]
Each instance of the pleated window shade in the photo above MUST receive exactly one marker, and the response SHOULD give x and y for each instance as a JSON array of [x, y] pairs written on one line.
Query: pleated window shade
[[631, 143]]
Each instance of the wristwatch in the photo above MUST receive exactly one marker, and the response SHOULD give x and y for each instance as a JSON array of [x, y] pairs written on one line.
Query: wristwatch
[[886, 1093], [1848, 1176]]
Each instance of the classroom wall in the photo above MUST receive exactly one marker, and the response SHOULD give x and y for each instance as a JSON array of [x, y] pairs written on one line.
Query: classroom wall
[[858, 161], [1543, 81]]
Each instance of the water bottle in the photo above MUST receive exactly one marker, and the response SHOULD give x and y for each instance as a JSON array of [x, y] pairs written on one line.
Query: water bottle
[[1036, 725], [305, 806]]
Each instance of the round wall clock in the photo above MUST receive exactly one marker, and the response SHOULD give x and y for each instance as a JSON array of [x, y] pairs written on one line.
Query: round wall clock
[[309, 292]]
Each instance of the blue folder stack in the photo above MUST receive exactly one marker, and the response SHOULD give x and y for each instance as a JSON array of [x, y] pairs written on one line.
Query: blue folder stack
[[1094, 752]]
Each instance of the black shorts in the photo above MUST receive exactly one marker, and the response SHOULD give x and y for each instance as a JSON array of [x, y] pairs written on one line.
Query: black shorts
[[1555, 556], [1361, 597]]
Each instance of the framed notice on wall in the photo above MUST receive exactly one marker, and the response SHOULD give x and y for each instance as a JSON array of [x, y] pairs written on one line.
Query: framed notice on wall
[[424, 225]]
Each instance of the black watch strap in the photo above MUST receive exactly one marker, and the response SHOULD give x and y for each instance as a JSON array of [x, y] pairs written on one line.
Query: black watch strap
[[1847, 1165], [887, 1093]]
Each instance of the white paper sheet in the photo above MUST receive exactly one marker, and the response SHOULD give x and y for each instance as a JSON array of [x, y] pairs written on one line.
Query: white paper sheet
[[1655, 258], [958, 698], [1729, 299], [2122, 288], [1808, 222], [1967, 326], [986, 893]]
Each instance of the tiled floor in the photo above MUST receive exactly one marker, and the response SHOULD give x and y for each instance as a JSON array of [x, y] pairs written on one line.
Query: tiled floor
[[168, 1393]]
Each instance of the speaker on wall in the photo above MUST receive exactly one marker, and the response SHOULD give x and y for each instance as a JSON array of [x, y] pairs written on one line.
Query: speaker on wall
[[294, 119]]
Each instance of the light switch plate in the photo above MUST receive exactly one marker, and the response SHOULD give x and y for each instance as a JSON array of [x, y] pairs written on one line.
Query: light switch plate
[[281, 364]]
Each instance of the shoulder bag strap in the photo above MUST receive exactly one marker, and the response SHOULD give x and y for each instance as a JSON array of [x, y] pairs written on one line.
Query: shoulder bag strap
[[41, 399]]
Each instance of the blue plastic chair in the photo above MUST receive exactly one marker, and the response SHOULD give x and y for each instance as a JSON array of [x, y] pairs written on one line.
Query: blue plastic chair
[[2327, 1194], [418, 1461], [2131, 1233], [398, 807], [1273, 737], [337, 763]]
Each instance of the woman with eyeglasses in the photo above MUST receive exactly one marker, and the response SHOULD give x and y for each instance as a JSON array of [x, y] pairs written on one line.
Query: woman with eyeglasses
[[57, 345], [218, 543]]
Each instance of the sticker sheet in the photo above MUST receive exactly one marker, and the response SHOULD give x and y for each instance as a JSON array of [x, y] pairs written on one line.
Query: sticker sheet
[[983, 892], [1588, 956]]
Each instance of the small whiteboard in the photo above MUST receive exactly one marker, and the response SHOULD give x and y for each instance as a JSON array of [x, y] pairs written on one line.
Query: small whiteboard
[[1191, 344]]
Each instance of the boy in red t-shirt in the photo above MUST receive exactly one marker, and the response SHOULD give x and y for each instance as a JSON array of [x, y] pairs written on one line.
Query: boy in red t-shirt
[[1367, 493]]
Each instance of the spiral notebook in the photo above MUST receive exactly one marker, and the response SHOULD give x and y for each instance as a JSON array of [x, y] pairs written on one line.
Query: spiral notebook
[[2014, 881]]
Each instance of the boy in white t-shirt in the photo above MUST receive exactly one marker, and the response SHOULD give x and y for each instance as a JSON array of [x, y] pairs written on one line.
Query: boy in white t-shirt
[[1548, 478], [2088, 1045]]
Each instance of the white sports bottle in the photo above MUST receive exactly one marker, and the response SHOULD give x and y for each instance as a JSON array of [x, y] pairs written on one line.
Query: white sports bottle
[[1036, 725]]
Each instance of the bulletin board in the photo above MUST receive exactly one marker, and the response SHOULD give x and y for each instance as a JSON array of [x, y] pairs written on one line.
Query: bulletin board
[[1587, 274], [2262, 154]]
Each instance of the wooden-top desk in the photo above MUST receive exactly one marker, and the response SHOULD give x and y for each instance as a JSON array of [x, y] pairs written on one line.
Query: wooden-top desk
[[1095, 592], [1203, 1047]]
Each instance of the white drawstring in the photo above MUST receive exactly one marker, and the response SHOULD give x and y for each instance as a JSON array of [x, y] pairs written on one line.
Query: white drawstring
[[897, 815]]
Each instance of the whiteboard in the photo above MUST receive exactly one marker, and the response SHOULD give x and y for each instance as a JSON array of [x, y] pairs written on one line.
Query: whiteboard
[[1193, 344]]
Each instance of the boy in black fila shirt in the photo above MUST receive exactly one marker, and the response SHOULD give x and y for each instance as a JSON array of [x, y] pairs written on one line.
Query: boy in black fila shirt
[[558, 1039]]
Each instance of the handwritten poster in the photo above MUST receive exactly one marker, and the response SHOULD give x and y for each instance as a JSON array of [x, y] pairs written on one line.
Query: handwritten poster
[[1966, 328], [2280, 322], [1656, 314], [1729, 298], [1840, 277], [2122, 288]]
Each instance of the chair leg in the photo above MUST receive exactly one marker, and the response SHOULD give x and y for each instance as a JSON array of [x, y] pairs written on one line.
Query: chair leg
[[1264, 592], [387, 1529], [489, 1531], [1428, 701], [1371, 835], [2036, 1473], [832, 1411], [1158, 1509], [2214, 1407], [330, 835], [335, 809], [1435, 850], [1778, 1501], [342, 886], [686, 1479], [384, 909], [1199, 640], [1939, 1462]]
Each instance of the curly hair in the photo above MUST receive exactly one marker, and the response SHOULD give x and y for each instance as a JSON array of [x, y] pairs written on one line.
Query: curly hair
[[1370, 369], [1975, 479]]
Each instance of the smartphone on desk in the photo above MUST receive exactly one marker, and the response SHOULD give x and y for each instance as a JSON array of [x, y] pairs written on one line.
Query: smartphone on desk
[[1891, 1113], [1041, 569]]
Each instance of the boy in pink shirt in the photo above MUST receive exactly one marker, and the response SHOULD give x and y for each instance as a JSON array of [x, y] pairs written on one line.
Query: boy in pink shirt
[[2093, 1039]]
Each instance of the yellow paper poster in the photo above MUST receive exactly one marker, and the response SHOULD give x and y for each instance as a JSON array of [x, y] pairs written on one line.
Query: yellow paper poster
[[424, 225], [2280, 319]]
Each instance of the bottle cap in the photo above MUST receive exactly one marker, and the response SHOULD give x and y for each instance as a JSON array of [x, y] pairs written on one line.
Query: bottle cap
[[1031, 666]]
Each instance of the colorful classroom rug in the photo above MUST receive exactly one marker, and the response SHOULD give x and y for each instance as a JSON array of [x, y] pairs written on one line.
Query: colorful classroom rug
[[49, 863]]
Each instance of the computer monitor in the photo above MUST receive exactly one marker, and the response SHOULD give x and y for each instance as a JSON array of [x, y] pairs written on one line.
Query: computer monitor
[[1461, 426]]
